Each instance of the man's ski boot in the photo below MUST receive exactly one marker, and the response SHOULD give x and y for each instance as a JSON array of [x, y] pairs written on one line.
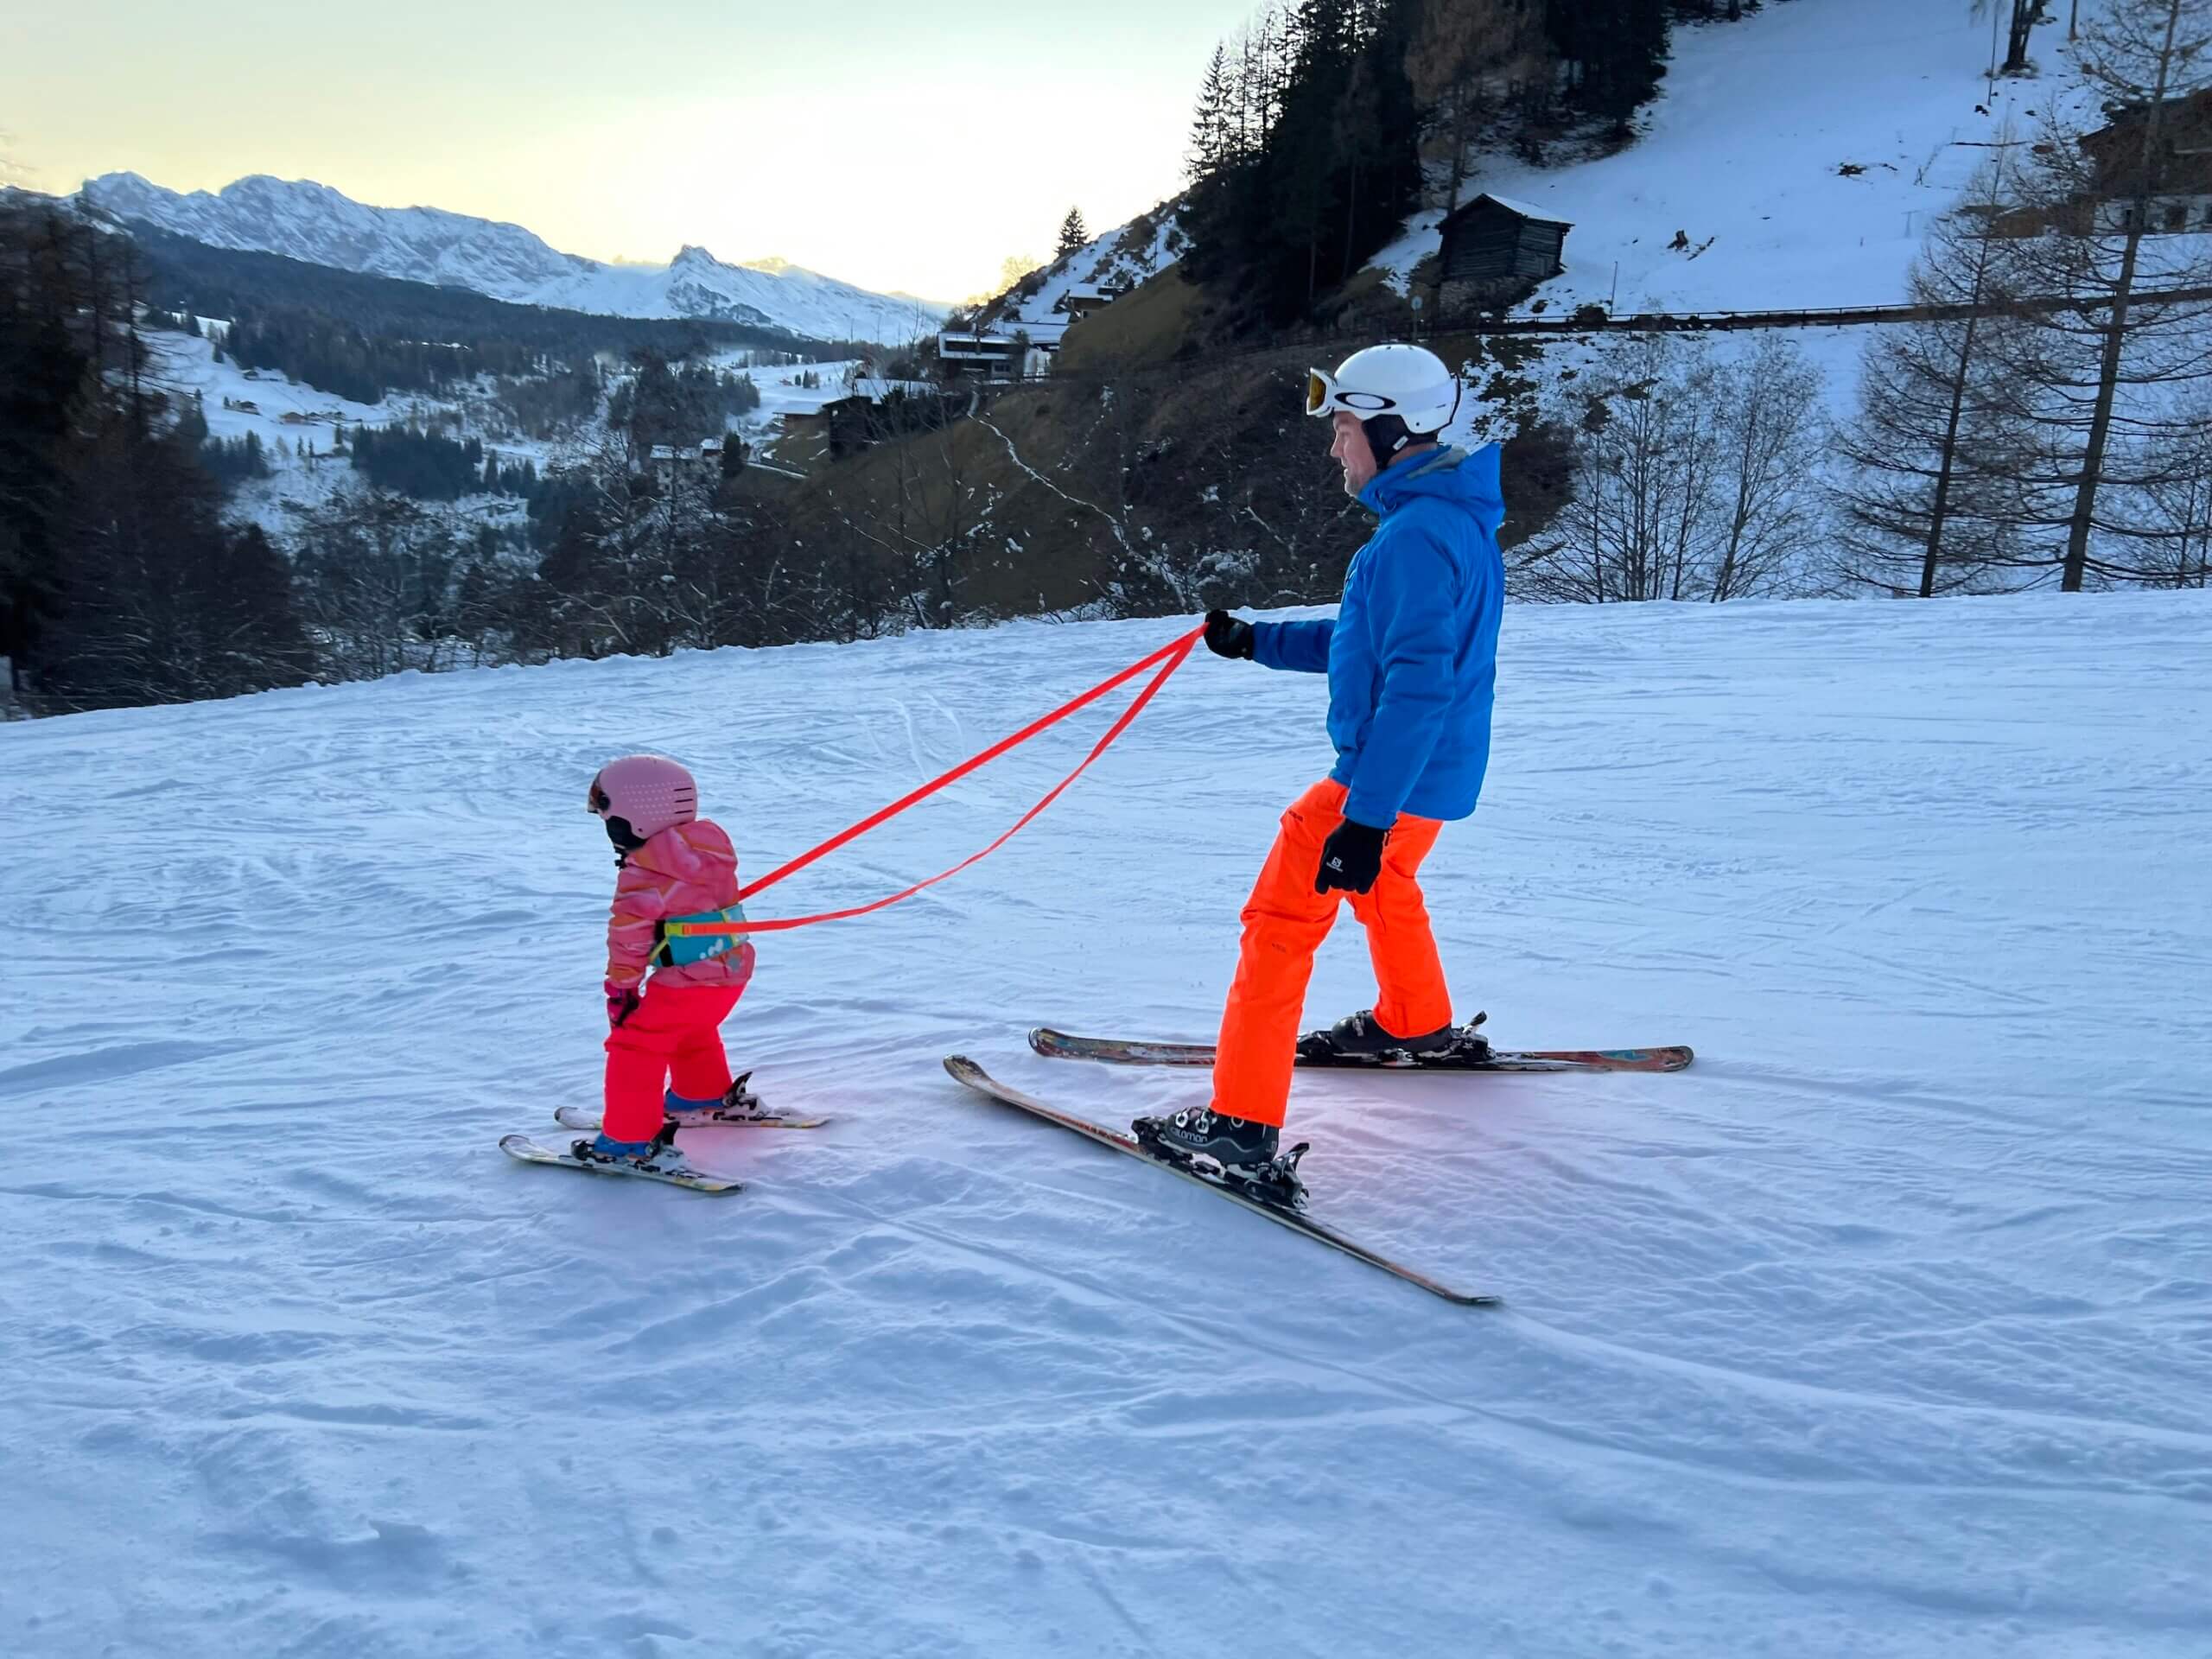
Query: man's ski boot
[[1233, 1151], [1357, 1037], [738, 1105]]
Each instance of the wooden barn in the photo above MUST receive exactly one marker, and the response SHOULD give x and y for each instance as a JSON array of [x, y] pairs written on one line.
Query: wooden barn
[[1494, 247]]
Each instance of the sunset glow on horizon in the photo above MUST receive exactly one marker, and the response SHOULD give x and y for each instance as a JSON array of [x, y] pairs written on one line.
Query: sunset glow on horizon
[[902, 148]]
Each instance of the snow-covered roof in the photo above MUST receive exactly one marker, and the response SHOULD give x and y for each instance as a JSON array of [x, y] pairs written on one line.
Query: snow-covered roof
[[1522, 208]]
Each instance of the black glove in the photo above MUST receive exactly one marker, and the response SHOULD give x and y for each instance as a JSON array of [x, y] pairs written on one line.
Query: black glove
[[1228, 636], [1350, 858]]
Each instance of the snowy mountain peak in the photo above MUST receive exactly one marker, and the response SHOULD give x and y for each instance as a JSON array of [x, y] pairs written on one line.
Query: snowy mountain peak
[[302, 220]]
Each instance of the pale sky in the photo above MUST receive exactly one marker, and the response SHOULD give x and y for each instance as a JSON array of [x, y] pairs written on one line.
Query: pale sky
[[895, 143]]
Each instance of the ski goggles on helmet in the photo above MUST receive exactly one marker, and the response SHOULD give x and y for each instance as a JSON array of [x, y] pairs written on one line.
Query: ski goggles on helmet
[[1324, 396], [598, 800]]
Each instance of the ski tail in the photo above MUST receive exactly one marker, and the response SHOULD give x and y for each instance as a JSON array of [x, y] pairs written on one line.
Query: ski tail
[[1116, 1051]]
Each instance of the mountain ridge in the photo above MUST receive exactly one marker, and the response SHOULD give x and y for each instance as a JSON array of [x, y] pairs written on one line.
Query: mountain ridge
[[320, 224]]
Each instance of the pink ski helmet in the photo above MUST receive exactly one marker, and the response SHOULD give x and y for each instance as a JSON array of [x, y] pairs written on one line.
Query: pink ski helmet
[[645, 794]]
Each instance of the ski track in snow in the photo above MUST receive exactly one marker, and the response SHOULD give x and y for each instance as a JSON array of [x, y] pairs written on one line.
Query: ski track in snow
[[1882, 1331]]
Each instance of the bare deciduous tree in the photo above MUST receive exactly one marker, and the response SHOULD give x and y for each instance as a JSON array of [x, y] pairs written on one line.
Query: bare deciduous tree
[[1695, 479], [2101, 382], [1921, 508]]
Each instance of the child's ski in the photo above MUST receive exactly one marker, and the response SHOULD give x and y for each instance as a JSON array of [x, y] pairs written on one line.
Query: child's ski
[[711, 1118], [1472, 1055], [676, 1174], [967, 1072]]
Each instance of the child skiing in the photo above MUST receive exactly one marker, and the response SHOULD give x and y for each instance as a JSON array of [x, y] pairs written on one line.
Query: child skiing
[[666, 997]]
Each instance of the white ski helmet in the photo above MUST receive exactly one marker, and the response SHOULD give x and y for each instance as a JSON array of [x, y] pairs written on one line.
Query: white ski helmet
[[1400, 393]]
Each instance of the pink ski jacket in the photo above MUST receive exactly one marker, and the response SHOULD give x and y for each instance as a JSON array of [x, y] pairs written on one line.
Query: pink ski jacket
[[685, 869]]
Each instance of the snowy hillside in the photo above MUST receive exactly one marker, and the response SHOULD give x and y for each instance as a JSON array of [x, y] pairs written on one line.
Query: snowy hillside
[[1884, 1331], [274, 408], [1743, 154], [296, 424], [1120, 259], [309, 221]]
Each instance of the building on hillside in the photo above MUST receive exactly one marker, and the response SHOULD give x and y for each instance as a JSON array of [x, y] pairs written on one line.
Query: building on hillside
[[802, 435], [671, 463], [1023, 351], [875, 412], [868, 408], [2178, 191], [1494, 249], [974, 353], [1080, 301], [2179, 184]]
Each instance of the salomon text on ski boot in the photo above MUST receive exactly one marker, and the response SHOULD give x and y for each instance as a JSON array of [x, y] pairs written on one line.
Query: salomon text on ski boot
[[1235, 1151]]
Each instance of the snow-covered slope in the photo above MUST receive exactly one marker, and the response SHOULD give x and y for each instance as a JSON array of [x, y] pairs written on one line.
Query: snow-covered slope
[[1118, 260], [304, 220], [1881, 1332], [1743, 154]]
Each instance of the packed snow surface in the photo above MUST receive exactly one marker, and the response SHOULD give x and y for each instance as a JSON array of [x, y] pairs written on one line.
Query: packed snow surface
[[1883, 1331]]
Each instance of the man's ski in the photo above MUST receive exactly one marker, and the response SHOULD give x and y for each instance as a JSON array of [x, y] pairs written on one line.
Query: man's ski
[[712, 1117], [1472, 1054], [967, 1072], [676, 1174]]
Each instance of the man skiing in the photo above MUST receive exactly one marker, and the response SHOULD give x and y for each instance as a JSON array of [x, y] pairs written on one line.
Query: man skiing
[[1412, 659]]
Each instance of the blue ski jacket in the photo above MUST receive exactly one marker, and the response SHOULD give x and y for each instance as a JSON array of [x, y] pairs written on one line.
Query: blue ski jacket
[[1412, 656]]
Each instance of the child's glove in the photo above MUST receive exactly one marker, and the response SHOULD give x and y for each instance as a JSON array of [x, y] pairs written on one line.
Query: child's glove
[[622, 1002]]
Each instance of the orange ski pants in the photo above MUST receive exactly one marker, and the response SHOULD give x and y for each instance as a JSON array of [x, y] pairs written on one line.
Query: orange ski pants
[[672, 1038], [1285, 921]]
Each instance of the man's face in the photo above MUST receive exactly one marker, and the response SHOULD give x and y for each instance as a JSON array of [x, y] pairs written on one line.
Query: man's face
[[1352, 451]]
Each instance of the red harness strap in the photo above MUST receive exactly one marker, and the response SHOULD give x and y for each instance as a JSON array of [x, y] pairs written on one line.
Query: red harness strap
[[1164, 662]]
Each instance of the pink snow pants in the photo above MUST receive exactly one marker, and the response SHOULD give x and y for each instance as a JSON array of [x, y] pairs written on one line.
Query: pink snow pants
[[672, 1039]]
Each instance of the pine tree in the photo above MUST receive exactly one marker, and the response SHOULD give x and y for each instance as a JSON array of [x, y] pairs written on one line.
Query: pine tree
[[1616, 51], [1212, 140], [1074, 237]]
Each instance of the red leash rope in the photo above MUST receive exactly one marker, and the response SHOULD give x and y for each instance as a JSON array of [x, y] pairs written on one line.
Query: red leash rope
[[1164, 662]]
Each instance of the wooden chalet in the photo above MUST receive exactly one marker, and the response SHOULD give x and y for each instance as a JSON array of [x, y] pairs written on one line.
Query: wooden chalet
[[2179, 184], [1495, 247]]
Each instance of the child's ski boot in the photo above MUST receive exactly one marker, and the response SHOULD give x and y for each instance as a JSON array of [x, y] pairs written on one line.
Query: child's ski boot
[[739, 1105]]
